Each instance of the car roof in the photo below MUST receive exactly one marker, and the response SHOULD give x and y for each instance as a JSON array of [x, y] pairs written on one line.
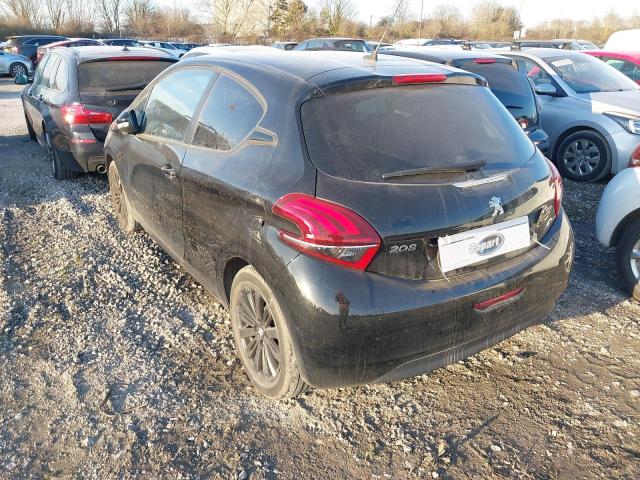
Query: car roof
[[99, 52], [36, 36], [545, 52], [335, 39], [443, 54], [339, 66], [628, 55]]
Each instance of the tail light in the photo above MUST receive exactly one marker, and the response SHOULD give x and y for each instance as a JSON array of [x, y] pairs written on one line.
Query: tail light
[[556, 182], [409, 79], [635, 158], [78, 114], [327, 230]]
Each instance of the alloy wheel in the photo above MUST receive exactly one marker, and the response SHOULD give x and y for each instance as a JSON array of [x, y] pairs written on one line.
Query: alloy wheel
[[18, 69], [635, 260], [259, 335], [581, 157], [117, 194]]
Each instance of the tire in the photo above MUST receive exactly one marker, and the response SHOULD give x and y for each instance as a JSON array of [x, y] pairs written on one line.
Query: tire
[[32, 133], [17, 69], [120, 202], [584, 157], [58, 171], [262, 337], [629, 262]]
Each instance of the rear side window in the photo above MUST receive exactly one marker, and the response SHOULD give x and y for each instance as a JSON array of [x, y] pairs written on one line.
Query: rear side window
[[365, 134], [510, 86], [230, 114], [173, 103], [48, 76], [62, 77]]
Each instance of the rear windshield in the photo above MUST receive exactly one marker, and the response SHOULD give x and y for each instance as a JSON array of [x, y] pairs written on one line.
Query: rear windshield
[[354, 45], [365, 134], [115, 76], [511, 86]]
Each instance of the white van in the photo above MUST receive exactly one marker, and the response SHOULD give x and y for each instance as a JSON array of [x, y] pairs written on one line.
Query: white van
[[624, 40]]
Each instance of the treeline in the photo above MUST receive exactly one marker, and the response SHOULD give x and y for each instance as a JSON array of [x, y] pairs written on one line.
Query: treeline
[[253, 20]]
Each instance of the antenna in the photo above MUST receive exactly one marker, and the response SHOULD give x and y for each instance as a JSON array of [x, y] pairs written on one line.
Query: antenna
[[374, 55]]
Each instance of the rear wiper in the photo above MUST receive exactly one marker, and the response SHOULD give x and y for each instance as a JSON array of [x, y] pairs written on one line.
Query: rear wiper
[[140, 86], [459, 168]]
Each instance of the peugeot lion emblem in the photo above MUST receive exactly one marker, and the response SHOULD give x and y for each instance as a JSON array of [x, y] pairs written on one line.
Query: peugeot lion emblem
[[496, 204]]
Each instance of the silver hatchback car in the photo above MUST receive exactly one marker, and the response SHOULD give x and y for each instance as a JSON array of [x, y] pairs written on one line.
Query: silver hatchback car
[[14, 64], [589, 109]]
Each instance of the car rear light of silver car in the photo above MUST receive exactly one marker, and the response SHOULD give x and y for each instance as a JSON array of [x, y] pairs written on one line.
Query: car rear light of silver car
[[327, 231], [78, 114], [635, 158], [555, 181]]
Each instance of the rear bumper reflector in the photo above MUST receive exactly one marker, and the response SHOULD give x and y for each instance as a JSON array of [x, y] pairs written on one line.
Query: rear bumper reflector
[[496, 301]]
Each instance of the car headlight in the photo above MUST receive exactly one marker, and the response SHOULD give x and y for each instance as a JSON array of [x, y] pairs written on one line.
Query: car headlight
[[630, 123]]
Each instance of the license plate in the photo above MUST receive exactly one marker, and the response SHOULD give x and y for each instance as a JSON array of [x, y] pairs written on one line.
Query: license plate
[[474, 246]]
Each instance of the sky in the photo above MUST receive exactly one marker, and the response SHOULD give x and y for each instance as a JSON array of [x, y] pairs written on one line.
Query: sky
[[533, 11]]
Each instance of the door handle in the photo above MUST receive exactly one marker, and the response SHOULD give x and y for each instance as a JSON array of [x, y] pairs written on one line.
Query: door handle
[[40, 97], [168, 171]]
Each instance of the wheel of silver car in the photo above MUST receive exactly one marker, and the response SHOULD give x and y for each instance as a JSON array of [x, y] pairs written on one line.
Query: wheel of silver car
[[17, 69], [583, 157], [262, 337], [628, 257], [119, 201]]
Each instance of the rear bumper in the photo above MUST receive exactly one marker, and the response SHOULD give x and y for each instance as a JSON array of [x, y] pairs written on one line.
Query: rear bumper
[[352, 328], [82, 157]]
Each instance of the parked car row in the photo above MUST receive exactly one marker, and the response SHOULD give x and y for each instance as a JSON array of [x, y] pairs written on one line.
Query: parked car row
[[365, 218]]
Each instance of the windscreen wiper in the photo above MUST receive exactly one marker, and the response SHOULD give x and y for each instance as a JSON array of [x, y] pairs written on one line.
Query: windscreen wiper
[[458, 168], [139, 86]]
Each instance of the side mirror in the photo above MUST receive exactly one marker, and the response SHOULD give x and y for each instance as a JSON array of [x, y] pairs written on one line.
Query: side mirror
[[21, 79], [128, 123], [546, 89]]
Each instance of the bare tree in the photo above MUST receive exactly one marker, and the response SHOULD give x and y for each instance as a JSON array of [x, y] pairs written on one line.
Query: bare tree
[[109, 12], [24, 12], [56, 10], [335, 14], [141, 17], [80, 16], [445, 21]]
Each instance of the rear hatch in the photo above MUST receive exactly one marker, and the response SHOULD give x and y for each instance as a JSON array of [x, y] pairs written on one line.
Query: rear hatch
[[111, 84], [424, 162]]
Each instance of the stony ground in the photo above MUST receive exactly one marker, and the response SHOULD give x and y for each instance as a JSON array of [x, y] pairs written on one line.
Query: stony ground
[[114, 363]]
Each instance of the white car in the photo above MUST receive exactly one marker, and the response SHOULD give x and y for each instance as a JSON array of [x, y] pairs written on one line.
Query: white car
[[618, 222], [165, 47], [628, 40]]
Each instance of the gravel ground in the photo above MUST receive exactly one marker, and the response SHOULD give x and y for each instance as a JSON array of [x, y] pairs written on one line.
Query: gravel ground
[[114, 363]]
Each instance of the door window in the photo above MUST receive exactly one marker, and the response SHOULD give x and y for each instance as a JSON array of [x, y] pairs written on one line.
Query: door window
[[173, 102], [535, 72], [37, 77], [230, 114], [630, 69]]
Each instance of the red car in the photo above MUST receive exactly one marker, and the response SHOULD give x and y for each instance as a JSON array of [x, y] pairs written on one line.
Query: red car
[[71, 42], [625, 62]]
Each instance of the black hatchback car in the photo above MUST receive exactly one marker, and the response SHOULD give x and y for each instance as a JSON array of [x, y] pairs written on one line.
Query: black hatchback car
[[75, 95], [506, 81], [364, 221]]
